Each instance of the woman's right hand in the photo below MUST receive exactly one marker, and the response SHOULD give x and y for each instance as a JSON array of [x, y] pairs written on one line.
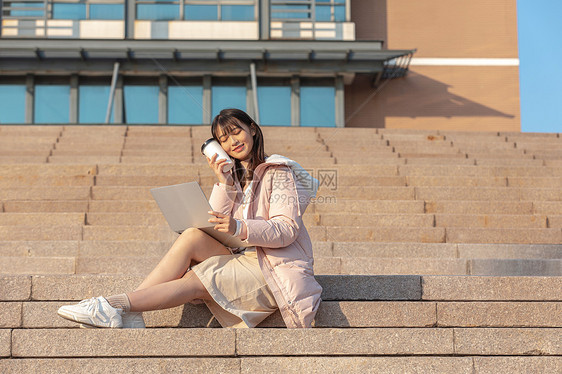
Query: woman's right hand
[[217, 166]]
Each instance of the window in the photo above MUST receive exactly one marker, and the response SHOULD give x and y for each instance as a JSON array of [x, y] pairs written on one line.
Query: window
[[228, 97], [238, 13], [318, 105], [12, 103], [185, 105], [141, 103], [201, 12], [52, 103], [24, 9], [160, 11], [319, 10], [69, 11], [107, 11], [275, 105], [93, 103]]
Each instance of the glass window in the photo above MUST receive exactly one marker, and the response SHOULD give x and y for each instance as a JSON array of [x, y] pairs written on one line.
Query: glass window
[[185, 105], [12, 103], [141, 104], [93, 104], [323, 13], [339, 13], [69, 11], [228, 97], [26, 9], [107, 11], [237, 13], [318, 106], [275, 105], [52, 103], [158, 12], [290, 11], [201, 12]]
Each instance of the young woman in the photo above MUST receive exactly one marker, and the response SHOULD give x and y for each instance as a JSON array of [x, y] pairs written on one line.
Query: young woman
[[261, 200]]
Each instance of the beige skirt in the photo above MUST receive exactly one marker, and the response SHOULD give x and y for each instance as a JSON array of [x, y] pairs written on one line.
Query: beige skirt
[[241, 297]]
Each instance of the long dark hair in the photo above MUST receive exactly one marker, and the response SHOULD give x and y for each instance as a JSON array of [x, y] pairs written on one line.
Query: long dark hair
[[229, 119]]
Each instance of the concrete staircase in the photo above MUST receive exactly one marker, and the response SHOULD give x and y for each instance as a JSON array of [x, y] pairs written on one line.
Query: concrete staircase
[[438, 251]]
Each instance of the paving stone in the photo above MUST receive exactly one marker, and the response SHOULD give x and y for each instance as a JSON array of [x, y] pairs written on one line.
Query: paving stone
[[529, 364], [48, 193], [122, 342], [42, 219], [133, 248], [381, 250], [547, 207], [41, 232], [331, 341], [377, 220], [499, 314], [33, 180], [5, 343], [359, 192], [79, 287], [467, 193], [49, 170], [370, 287], [121, 193], [516, 267], [519, 236], [60, 206], [481, 207], [386, 234], [514, 251], [10, 314], [405, 266], [508, 341], [152, 233], [478, 288], [331, 205], [458, 181], [359, 364], [123, 206], [13, 287], [491, 221], [202, 365], [37, 265]]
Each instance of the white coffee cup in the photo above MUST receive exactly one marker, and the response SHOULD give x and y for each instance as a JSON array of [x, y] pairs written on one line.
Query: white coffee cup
[[210, 147]]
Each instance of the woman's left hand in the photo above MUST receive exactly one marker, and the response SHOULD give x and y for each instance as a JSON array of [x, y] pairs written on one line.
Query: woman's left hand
[[225, 223]]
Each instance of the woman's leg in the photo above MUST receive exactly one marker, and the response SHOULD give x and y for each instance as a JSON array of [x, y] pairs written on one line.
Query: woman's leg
[[192, 246], [169, 294]]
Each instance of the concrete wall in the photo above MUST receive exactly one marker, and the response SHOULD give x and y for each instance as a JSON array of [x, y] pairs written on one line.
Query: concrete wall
[[442, 93]]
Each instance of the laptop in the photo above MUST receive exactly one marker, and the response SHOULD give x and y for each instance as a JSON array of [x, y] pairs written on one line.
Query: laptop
[[185, 205]]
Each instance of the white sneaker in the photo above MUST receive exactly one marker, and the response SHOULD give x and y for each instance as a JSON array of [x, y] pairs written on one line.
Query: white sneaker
[[93, 312], [131, 320]]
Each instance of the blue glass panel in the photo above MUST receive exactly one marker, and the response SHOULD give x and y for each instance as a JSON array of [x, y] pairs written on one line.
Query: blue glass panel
[[28, 12], [185, 105], [237, 13], [339, 13], [69, 11], [228, 97], [158, 11], [318, 106], [323, 13], [93, 104], [201, 12], [141, 104], [280, 11], [12, 103], [275, 105], [52, 103], [107, 11]]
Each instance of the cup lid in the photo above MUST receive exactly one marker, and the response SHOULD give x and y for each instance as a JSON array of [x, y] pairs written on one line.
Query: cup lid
[[206, 143]]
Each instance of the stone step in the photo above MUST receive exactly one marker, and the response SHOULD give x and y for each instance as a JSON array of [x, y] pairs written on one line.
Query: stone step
[[335, 287], [342, 314], [51, 232], [489, 207], [48, 170], [427, 161], [330, 205], [26, 130], [14, 160], [520, 236], [445, 181], [38, 265], [480, 171], [42, 219], [84, 159], [45, 193], [488, 193], [491, 221], [54, 206], [207, 342]]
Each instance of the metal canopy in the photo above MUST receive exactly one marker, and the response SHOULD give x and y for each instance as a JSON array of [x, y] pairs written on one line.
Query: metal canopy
[[345, 56]]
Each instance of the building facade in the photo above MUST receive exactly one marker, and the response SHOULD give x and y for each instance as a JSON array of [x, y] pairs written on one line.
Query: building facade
[[288, 63]]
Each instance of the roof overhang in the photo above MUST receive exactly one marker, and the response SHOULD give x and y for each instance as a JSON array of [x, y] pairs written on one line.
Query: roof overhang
[[194, 57]]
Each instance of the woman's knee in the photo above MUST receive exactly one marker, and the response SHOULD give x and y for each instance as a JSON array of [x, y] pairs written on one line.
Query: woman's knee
[[199, 290]]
